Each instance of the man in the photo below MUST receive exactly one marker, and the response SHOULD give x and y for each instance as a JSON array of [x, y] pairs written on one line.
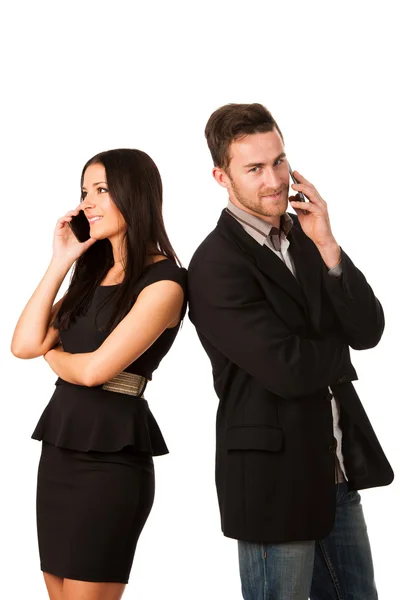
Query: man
[[276, 303]]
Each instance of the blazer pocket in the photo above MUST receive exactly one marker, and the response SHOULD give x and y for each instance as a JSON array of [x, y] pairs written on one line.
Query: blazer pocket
[[254, 437]]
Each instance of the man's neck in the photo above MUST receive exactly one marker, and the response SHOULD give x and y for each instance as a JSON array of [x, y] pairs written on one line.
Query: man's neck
[[273, 221]]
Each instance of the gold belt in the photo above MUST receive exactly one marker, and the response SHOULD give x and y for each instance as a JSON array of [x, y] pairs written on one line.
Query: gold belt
[[126, 383]]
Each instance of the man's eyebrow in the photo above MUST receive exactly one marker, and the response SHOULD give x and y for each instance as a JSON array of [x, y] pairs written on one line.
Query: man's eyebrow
[[97, 183], [253, 165], [261, 164]]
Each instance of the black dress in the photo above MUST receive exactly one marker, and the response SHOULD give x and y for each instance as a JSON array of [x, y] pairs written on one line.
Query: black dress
[[96, 478]]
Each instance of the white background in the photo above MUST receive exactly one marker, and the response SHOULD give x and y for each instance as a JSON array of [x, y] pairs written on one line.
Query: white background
[[79, 79]]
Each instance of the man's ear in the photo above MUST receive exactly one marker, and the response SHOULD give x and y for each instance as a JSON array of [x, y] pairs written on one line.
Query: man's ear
[[221, 177]]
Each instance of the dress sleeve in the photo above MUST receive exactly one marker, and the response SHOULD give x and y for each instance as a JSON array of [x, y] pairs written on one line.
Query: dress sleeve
[[166, 270]]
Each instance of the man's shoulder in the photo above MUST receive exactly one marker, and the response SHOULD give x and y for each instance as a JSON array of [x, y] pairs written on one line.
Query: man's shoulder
[[215, 248]]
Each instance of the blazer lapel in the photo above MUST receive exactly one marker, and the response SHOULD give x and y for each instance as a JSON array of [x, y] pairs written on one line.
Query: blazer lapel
[[266, 261], [308, 270]]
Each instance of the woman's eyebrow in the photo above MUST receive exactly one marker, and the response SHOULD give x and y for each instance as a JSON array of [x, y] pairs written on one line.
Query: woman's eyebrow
[[97, 183]]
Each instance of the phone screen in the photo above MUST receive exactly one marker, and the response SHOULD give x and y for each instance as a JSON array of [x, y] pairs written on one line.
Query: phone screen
[[80, 226]]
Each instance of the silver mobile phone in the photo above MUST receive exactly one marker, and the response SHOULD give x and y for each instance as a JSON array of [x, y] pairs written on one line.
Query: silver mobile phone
[[302, 197]]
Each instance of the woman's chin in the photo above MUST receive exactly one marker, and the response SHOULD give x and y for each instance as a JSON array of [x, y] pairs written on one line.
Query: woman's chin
[[98, 233], [110, 234], [97, 236]]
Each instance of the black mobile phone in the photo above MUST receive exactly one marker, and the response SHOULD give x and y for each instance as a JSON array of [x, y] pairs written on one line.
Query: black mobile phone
[[302, 197], [80, 226]]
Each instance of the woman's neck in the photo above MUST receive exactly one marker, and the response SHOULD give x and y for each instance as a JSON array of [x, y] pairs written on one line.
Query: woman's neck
[[118, 250]]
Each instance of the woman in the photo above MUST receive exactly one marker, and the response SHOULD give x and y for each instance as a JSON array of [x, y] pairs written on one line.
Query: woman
[[103, 339]]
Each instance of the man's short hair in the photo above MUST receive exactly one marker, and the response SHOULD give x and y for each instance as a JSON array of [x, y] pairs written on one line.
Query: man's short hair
[[232, 122]]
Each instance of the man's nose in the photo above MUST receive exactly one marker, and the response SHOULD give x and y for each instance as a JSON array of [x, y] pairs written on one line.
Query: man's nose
[[271, 179]]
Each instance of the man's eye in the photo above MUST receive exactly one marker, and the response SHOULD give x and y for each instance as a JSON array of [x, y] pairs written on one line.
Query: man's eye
[[254, 170]]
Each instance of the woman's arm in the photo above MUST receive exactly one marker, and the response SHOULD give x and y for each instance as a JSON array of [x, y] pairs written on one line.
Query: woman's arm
[[157, 308], [33, 335]]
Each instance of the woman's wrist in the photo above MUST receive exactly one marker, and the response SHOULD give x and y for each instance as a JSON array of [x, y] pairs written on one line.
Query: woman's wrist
[[60, 266]]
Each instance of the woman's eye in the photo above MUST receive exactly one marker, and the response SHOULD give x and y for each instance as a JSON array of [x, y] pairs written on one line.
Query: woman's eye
[[102, 190], [83, 195]]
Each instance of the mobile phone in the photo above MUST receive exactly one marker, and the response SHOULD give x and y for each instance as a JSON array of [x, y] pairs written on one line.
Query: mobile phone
[[302, 197], [80, 226]]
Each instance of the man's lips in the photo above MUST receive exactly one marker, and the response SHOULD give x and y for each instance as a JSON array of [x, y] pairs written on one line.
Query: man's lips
[[272, 196]]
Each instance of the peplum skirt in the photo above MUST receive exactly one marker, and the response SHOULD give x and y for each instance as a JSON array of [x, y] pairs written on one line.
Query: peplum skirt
[[95, 484]]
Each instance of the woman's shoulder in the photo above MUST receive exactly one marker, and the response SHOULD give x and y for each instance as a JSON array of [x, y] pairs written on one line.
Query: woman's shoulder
[[164, 269]]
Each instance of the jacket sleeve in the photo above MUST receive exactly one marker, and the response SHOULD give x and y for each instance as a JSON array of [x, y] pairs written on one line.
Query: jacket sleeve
[[229, 309], [356, 306]]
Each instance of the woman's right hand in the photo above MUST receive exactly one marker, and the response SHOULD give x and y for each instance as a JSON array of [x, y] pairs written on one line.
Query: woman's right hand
[[66, 247]]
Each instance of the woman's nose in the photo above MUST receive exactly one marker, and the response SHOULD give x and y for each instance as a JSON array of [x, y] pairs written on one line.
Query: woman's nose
[[87, 202]]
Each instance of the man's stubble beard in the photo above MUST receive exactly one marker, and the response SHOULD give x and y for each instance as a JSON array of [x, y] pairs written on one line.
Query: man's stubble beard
[[257, 205]]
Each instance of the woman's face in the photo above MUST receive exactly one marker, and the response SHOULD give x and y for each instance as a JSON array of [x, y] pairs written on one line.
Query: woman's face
[[104, 218]]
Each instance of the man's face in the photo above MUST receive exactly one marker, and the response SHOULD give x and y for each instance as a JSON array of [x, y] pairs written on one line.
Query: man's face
[[258, 175]]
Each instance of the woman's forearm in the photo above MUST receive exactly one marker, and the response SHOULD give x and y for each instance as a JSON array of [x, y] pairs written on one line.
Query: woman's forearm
[[33, 325], [74, 368]]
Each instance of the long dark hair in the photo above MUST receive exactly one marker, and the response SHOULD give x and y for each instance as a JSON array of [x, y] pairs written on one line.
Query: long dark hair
[[135, 186]]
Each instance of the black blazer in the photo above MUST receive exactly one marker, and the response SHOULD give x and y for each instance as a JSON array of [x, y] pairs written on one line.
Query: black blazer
[[275, 345]]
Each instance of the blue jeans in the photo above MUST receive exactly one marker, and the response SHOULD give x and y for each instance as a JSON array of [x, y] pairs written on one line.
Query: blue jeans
[[338, 567]]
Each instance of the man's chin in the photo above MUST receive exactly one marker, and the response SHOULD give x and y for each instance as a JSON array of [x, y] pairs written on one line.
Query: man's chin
[[275, 211]]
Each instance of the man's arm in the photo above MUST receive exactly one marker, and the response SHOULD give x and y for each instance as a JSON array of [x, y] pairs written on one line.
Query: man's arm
[[229, 309], [355, 305], [358, 310]]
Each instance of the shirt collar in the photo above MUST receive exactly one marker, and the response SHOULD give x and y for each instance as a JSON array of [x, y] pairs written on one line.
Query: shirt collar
[[258, 228]]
